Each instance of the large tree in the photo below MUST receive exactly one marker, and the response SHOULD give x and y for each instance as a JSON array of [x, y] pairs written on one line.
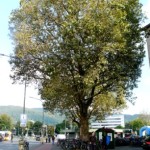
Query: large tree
[[86, 56]]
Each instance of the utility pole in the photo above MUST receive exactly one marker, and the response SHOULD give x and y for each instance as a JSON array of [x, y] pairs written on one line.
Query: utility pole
[[24, 102], [23, 117], [25, 84]]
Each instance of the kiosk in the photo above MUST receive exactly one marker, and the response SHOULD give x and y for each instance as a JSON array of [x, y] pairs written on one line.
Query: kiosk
[[106, 131]]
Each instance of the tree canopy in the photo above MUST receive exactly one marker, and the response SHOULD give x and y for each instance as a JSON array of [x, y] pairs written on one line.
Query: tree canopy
[[6, 122], [37, 128], [86, 56]]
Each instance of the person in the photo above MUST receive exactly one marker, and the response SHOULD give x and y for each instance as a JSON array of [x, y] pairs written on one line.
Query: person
[[92, 142], [104, 145], [49, 138], [11, 137], [46, 139], [53, 139]]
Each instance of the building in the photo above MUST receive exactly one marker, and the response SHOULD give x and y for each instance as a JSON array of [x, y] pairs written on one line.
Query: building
[[109, 122]]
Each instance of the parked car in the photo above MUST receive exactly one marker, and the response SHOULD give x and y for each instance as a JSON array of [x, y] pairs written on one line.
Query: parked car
[[37, 137], [146, 143]]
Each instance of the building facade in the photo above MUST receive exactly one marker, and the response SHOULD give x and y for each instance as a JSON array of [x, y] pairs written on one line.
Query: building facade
[[109, 122]]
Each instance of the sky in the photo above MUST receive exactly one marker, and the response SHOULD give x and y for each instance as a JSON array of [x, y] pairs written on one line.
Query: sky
[[13, 94]]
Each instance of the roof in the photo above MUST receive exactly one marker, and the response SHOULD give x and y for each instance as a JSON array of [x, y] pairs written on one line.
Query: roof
[[105, 129], [146, 27], [92, 130]]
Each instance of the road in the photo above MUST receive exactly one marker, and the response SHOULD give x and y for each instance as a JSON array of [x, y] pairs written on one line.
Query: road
[[8, 145], [128, 148], [33, 145]]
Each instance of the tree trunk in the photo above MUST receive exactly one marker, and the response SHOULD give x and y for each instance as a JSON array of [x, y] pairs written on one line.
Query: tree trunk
[[84, 128]]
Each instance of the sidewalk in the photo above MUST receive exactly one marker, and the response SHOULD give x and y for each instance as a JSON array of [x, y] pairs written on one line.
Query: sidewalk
[[47, 146]]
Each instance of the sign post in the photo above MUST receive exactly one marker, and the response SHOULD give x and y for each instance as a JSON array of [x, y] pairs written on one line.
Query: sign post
[[23, 120]]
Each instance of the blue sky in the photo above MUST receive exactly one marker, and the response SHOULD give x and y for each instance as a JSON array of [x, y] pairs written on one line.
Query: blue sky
[[6, 7], [13, 94]]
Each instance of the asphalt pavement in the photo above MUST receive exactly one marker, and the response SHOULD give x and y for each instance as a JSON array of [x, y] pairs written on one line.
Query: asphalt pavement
[[46, 146], [37, 145]]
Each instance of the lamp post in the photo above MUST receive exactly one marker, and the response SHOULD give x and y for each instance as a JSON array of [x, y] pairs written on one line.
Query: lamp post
[[24, 102], [25, 85], [23, 117], [42, 108]]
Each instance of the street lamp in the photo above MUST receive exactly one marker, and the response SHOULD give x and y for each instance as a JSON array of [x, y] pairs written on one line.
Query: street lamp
[[23, 117], [24, 83], [24, 102], [42, 108]]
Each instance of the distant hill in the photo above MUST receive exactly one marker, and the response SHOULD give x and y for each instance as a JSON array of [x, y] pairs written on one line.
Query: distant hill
[[129, 118], [35, 114]]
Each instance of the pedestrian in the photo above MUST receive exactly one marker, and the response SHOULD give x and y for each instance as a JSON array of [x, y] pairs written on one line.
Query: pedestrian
[[53, 139], [49, 138], [92, 142], [46, 139], [11, 137], [104, 145]]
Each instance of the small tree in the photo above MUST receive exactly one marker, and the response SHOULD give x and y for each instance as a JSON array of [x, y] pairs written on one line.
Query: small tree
[[119, 127], [30, 127], [18, 128], [63, 126], [136, 124], [6, 122], [37, 127], [50, 129], [145, 117]]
